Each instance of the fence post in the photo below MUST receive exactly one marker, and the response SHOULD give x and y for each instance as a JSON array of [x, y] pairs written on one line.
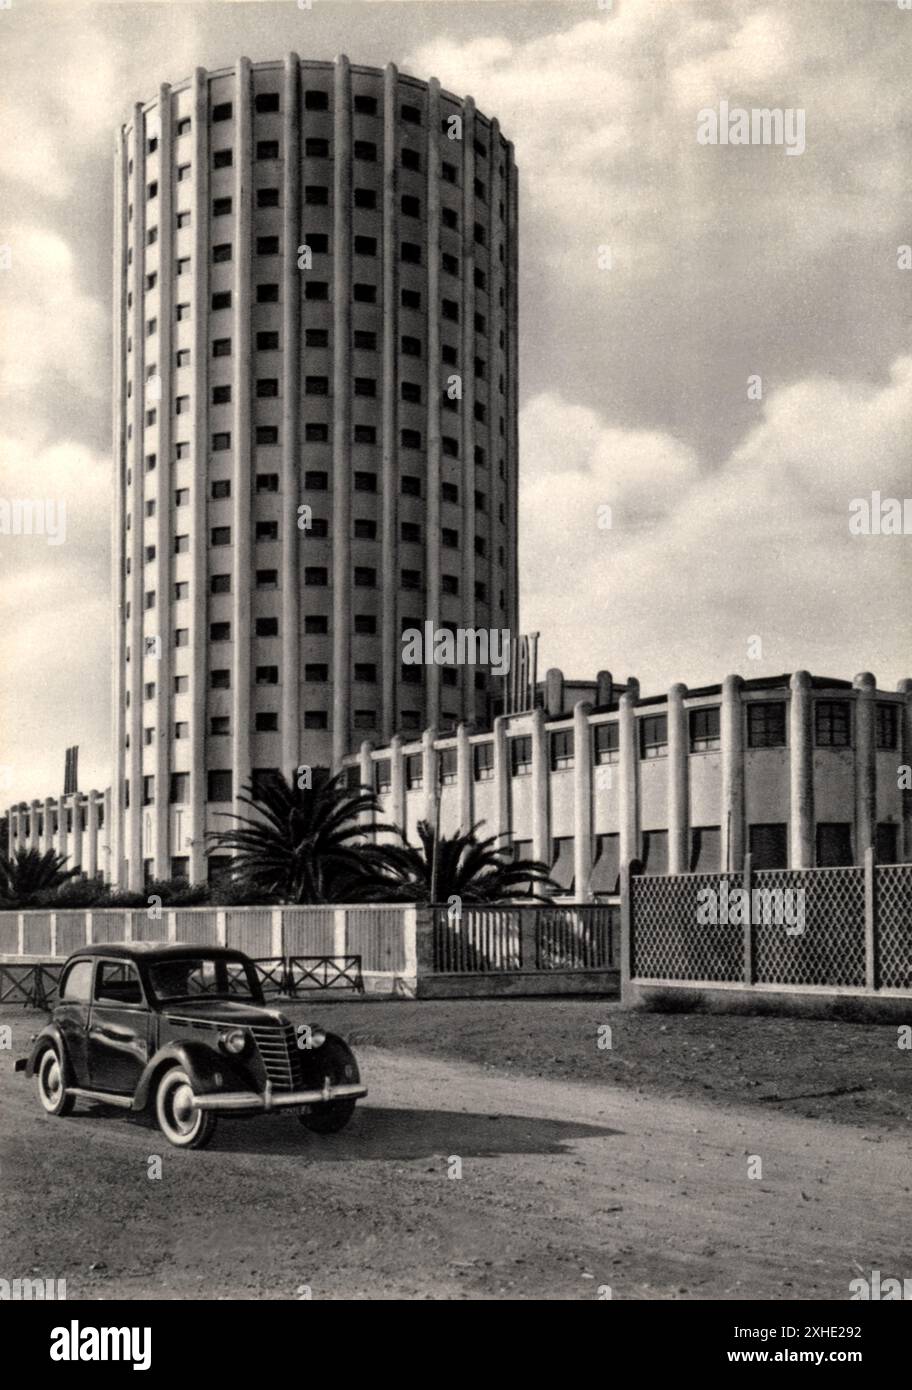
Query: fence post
[[221, 927], [410, 942], [749, 922], [872, 980], [172, 926], [277, 942], [128, 925], [628, 869], [20, 933], [340, 924], [528, 937], [90, 928], [53, 917]]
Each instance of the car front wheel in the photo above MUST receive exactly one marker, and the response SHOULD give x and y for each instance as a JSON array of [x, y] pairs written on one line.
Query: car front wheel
[[53, 1093], [179, 1120], [337, 1064]]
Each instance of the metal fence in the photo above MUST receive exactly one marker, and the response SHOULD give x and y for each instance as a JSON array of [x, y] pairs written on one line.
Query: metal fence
[[288, 977], [489, 939], [382, 936], [843, 928]]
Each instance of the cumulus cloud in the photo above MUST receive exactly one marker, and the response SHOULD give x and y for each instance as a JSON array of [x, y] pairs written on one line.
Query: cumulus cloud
[[760, 546]]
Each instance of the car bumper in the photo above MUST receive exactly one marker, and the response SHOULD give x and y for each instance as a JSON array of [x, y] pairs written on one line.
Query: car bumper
[[276, 1100]]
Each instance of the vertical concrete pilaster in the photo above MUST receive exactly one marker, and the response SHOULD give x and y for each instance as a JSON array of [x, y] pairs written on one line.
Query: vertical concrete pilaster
[[342, 414], [801, 773], [678, 792], [628, 773], [865, 764], [582, 801], [289, 717], [541, 805], [241, 490], [732, 806], [464, 777], [905, 752]]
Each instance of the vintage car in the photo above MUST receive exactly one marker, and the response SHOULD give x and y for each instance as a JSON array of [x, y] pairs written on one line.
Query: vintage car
[[184, 1032]]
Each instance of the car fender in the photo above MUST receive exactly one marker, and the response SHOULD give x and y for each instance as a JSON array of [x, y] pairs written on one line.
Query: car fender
[[207, 1069], [50, 1034], [311, 1059]]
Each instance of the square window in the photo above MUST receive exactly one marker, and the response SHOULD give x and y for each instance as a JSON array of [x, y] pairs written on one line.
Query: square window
[[654, 736], [267, 245], [832, 725], [222, 112], [267, 149], [266, 722], [222, 159], [267, 197], [705, 734], [766, 724], [365, 198], [265, 102]]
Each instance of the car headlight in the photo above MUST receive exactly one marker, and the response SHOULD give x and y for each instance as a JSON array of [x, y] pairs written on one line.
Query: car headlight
[[317, 1037], [235, 1040]]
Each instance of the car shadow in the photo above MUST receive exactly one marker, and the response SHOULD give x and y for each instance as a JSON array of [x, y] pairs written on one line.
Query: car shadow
[[383, 1133]]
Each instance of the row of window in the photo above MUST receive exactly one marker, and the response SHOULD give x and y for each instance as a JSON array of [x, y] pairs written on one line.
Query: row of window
[[766, 728], [269, 103]]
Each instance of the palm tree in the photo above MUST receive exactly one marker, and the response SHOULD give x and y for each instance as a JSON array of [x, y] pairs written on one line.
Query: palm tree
[[28, 873], [302, 844], [460, 865]]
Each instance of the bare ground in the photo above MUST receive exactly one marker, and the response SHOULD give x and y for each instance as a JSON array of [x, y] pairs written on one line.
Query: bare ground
[[581, 1167]]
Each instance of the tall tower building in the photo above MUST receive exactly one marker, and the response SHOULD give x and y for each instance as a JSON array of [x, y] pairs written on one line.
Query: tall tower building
[[315, 402]]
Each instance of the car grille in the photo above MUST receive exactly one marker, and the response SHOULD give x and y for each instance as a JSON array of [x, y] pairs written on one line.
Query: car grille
[[281, 1056]]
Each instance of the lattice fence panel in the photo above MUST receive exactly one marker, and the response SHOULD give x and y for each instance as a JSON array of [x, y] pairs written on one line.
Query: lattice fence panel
[[670, 942], [894, 910], [827, 948]]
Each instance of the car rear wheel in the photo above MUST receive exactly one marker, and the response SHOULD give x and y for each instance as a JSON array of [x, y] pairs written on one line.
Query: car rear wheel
[[51, 1089], [338, 1065], [179, 1120]]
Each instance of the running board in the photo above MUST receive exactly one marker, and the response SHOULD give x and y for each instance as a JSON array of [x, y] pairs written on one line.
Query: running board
[[125, 1102]]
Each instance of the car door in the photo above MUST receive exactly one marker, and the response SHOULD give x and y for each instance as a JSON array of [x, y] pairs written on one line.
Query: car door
[[71, 1014], [119, 1028]]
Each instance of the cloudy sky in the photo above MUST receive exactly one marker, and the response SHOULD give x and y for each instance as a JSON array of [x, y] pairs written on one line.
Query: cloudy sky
[[728, 506]]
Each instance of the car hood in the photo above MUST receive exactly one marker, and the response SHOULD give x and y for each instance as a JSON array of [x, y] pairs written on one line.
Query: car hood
[[232, 1012]]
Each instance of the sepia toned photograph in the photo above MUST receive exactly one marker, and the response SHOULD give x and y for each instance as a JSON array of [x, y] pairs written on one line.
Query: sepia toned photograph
[[456, 663]]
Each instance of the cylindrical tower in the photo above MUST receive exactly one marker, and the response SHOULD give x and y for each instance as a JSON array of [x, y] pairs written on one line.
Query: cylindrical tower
[[315, 429]]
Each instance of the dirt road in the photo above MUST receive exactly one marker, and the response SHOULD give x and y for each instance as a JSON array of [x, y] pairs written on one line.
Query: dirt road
[[566, 1188]]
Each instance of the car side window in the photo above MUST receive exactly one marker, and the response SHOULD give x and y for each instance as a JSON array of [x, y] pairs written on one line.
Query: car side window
[[117, 983], [76, 987]]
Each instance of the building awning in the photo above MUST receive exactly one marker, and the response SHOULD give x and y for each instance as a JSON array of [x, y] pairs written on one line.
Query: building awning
[[607, 866], [562, 867]]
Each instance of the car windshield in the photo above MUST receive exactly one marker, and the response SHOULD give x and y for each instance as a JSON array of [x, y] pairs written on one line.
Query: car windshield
[[191, 977]]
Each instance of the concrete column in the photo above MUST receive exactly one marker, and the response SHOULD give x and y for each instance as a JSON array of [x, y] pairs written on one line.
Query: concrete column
[[342, 388], [92, 833], [76, 803], [628, 778], [366, 775], [554, 691], [467, 368], [397, 783], [541, 777], [289, 716], [241, 488], [63, 838], [431, 774], [582, 801], [464, 773], [801, 773], [435, 379], [678, 796], [46, 840], [905, 743], [732, 805], [502, 777], [111, 874], [511, 252], [165, 523], [389, 450], [865, 764], [489, 435], [199, 451], [119, 538], [135, 504]]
